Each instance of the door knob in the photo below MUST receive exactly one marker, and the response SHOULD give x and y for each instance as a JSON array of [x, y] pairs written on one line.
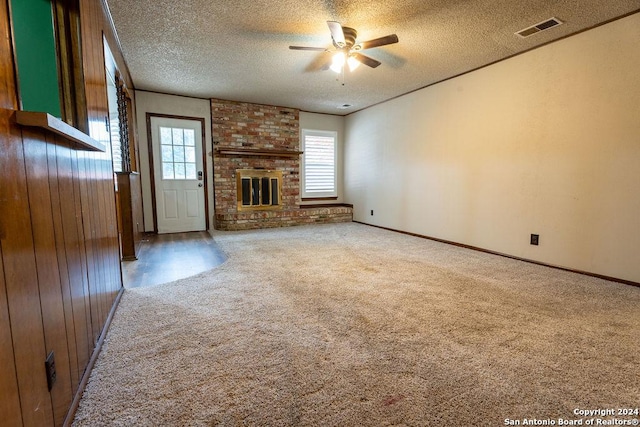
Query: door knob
[[199, 184]]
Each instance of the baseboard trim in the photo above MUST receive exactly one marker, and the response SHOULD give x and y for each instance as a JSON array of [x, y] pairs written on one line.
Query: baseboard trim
[[92, 361], [488, 251]]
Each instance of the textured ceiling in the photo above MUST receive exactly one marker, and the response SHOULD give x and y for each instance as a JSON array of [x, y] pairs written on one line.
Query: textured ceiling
[[239, 50]]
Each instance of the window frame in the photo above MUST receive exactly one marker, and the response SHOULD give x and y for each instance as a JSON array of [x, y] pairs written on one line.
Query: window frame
[[326, 195]]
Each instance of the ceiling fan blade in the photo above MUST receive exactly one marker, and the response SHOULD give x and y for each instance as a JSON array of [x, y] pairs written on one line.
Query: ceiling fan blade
[[317, 49], [321, 62], [336, 33], [366, 60], [382, 41]]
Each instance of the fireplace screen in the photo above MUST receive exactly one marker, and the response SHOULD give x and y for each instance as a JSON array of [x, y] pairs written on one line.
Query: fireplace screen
[[259, 189]]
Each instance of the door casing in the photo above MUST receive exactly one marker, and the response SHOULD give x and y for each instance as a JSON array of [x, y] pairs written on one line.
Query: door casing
[[152, 165]]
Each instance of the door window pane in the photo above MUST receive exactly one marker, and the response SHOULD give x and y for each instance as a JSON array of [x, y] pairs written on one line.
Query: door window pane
[[190, 170], [189, 137], [177, 136], [178, 154], [167, 153], [179, 169], [165, 135], [167, 171], [190, 154]]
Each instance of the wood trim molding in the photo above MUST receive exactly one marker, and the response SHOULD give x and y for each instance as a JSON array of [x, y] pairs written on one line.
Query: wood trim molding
[[313, 199], [152, 174], [249, 152], [154, 209], [530, 261], [46, 121], [327, 205], [112, 27]]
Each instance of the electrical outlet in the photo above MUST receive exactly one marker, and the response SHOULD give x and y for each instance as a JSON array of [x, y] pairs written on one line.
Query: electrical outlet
[[535, 238], [50, 366], [371, 212]]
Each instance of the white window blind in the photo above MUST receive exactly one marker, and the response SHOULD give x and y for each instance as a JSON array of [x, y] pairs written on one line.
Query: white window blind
[[319, 174]]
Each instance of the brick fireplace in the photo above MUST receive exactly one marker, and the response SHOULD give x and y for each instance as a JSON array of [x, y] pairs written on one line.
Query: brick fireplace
[[263, 139]]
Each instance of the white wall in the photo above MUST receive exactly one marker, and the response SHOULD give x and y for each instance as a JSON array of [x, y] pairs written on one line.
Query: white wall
[[150, 102], [327, 122], [547, 142]]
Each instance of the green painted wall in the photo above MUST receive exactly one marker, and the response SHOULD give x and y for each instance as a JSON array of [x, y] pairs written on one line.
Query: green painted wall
[[37, 64]]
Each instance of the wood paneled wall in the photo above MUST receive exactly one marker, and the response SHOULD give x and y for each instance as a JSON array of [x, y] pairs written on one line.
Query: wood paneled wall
[[60, 274]]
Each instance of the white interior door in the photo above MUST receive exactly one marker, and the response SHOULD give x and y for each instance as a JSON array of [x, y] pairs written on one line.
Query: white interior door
[[178, 174]]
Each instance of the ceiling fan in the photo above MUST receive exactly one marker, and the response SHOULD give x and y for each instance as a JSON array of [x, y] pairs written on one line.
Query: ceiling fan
[[346, 48]]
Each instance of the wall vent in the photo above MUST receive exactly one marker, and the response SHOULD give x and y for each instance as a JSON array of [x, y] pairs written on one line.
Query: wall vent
[[541, 26]]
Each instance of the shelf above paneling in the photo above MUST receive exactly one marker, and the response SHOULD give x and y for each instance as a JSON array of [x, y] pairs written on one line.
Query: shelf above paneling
[[249, 152], [57, 126]]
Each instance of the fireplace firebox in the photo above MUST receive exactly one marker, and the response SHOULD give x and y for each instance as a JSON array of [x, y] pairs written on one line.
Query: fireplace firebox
[[259, 189]]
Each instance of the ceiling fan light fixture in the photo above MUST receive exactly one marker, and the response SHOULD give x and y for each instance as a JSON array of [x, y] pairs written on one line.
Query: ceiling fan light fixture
[[353, 63], [338, 62]]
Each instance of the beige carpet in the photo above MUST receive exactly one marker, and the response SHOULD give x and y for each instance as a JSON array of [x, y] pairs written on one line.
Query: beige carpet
[[349, 325]]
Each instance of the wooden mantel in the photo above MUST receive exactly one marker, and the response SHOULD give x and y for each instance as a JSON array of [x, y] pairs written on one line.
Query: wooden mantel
[[57, 126], [248, 152]]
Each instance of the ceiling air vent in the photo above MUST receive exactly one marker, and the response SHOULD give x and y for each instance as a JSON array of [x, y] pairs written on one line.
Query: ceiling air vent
[[541, 26]]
